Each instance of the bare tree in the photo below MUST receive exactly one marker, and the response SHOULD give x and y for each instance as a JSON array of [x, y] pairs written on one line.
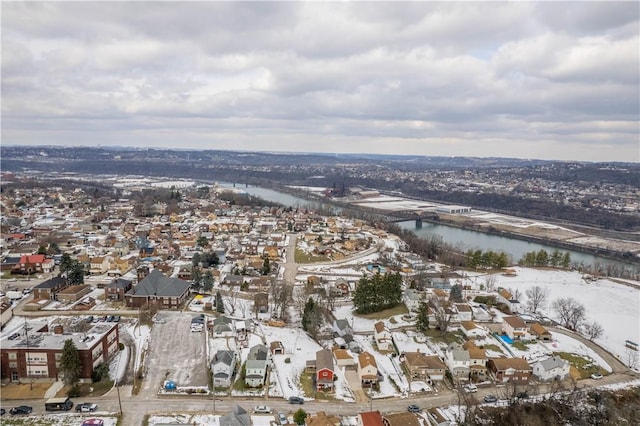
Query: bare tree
[[442, 314], [490, 283], [231, 301], [537, 298], [631, 358], [516, 294], [281, 296], [570, 311], [592, 330]]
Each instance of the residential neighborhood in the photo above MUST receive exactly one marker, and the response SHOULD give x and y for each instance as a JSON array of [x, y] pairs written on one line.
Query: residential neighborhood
[[265, 299]]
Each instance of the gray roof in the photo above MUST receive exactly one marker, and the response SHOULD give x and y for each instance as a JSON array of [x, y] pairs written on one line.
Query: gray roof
[[342, 324], [51, 283], [157, 284], [224, 356], [237, 417], [258, 352], [460, 355], [119, 283], [324, 359], [553, 362]]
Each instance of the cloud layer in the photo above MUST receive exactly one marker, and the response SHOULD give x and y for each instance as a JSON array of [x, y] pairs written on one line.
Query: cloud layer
[[529, 80]]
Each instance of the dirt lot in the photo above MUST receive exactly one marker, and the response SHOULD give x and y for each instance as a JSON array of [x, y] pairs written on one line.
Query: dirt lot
[[175, 353]]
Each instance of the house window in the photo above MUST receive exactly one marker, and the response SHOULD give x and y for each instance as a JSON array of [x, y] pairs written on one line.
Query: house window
[[13, 355], [13, 364]]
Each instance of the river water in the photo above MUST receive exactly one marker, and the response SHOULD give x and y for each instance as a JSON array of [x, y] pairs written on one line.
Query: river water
[[464, 238]]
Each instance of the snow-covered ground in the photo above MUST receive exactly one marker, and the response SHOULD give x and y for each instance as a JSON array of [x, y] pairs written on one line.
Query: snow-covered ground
[[615, 306]]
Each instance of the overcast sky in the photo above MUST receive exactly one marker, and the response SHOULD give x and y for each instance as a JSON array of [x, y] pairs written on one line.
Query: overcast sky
[[543, 80]]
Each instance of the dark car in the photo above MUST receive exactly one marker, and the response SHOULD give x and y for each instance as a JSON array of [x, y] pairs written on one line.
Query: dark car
[[90, 318], [413, 408], [21, 409], [490, 398], [296, 400], [116, 318], [2, 411], [522, 395]]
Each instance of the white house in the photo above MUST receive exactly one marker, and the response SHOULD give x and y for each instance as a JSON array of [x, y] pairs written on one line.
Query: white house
[[472, 330], [464, 312], [223, 366], [382, 337], [458, 362], [515, 328], [367, 369], [554, 368]]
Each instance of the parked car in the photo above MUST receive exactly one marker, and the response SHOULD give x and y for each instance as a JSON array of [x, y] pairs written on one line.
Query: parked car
[[296, 400], [490, 398], [283, 419], [90, 318], [413, 408], [110, 318], [471, 388], [86, 407], [522, 395], [2, 411], [262, 409], [596, 376], [21, 409]]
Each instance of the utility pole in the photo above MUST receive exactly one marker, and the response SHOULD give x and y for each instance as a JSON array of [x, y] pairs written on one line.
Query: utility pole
[[26, 335]]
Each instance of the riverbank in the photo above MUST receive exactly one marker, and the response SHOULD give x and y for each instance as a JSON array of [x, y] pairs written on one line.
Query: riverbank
[[542, 236]]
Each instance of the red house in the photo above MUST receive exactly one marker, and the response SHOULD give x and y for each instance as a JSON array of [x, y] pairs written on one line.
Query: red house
[[324, 370], [31, 264]]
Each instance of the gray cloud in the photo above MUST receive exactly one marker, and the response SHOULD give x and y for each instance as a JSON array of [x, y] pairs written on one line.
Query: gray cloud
[[531, 80]]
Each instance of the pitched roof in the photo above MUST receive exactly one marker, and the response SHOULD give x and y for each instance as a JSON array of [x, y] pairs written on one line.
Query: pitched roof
[[157, 284], [553, 362], [538, 329], [372, 418], [515, 322], [402, 419], [324, 359], [224, 356], [365, 359], [379, 326], [515, 363]]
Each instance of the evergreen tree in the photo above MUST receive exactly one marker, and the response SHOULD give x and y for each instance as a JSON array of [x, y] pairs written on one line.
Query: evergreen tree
[[300, 416], [42, 250], [195, 260], [196, 279], [70, 362], [378, 292], [266, 267], [422, 321], [66, 263], [455, 295], [311, 318], [219, 303], [566, 260], [75, 275], [542, 258], [207, 281]]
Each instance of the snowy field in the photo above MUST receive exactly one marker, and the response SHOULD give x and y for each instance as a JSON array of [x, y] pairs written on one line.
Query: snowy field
[[615, 306]]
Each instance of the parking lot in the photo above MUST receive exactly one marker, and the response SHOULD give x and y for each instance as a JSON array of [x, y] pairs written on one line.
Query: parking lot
[[175, 353]]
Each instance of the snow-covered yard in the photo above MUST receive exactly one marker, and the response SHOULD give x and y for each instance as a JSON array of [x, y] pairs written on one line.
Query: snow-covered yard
[[615, 306]]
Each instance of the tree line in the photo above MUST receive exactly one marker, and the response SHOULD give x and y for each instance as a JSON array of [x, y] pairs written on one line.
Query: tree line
[[377, 293], [556, 259]]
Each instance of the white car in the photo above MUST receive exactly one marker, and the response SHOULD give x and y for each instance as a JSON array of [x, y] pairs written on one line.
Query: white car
[[596, 376], [262, 409], [471, 388]]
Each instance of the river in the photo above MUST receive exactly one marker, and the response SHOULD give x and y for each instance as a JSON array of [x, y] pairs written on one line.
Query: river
[[467, 239]]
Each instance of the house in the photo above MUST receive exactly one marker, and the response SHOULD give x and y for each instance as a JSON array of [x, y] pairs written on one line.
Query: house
[[29, 264], [424, 367], [412, 299], [382, 337], [371, 418], [44, 349], [435, 417], [464, 312], [553, 368], [367, 370], [49, 288], [117, 288], [156, 287], [458, 362], [223, 366], [400, 419], [237, 417], [324, 370], [256, 366], [342, 327], [515, 328], [510, 369], [343, 359], [472, 330], [540, 333], [98, 265], [504, 296], [222, 327], [477, 361]]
